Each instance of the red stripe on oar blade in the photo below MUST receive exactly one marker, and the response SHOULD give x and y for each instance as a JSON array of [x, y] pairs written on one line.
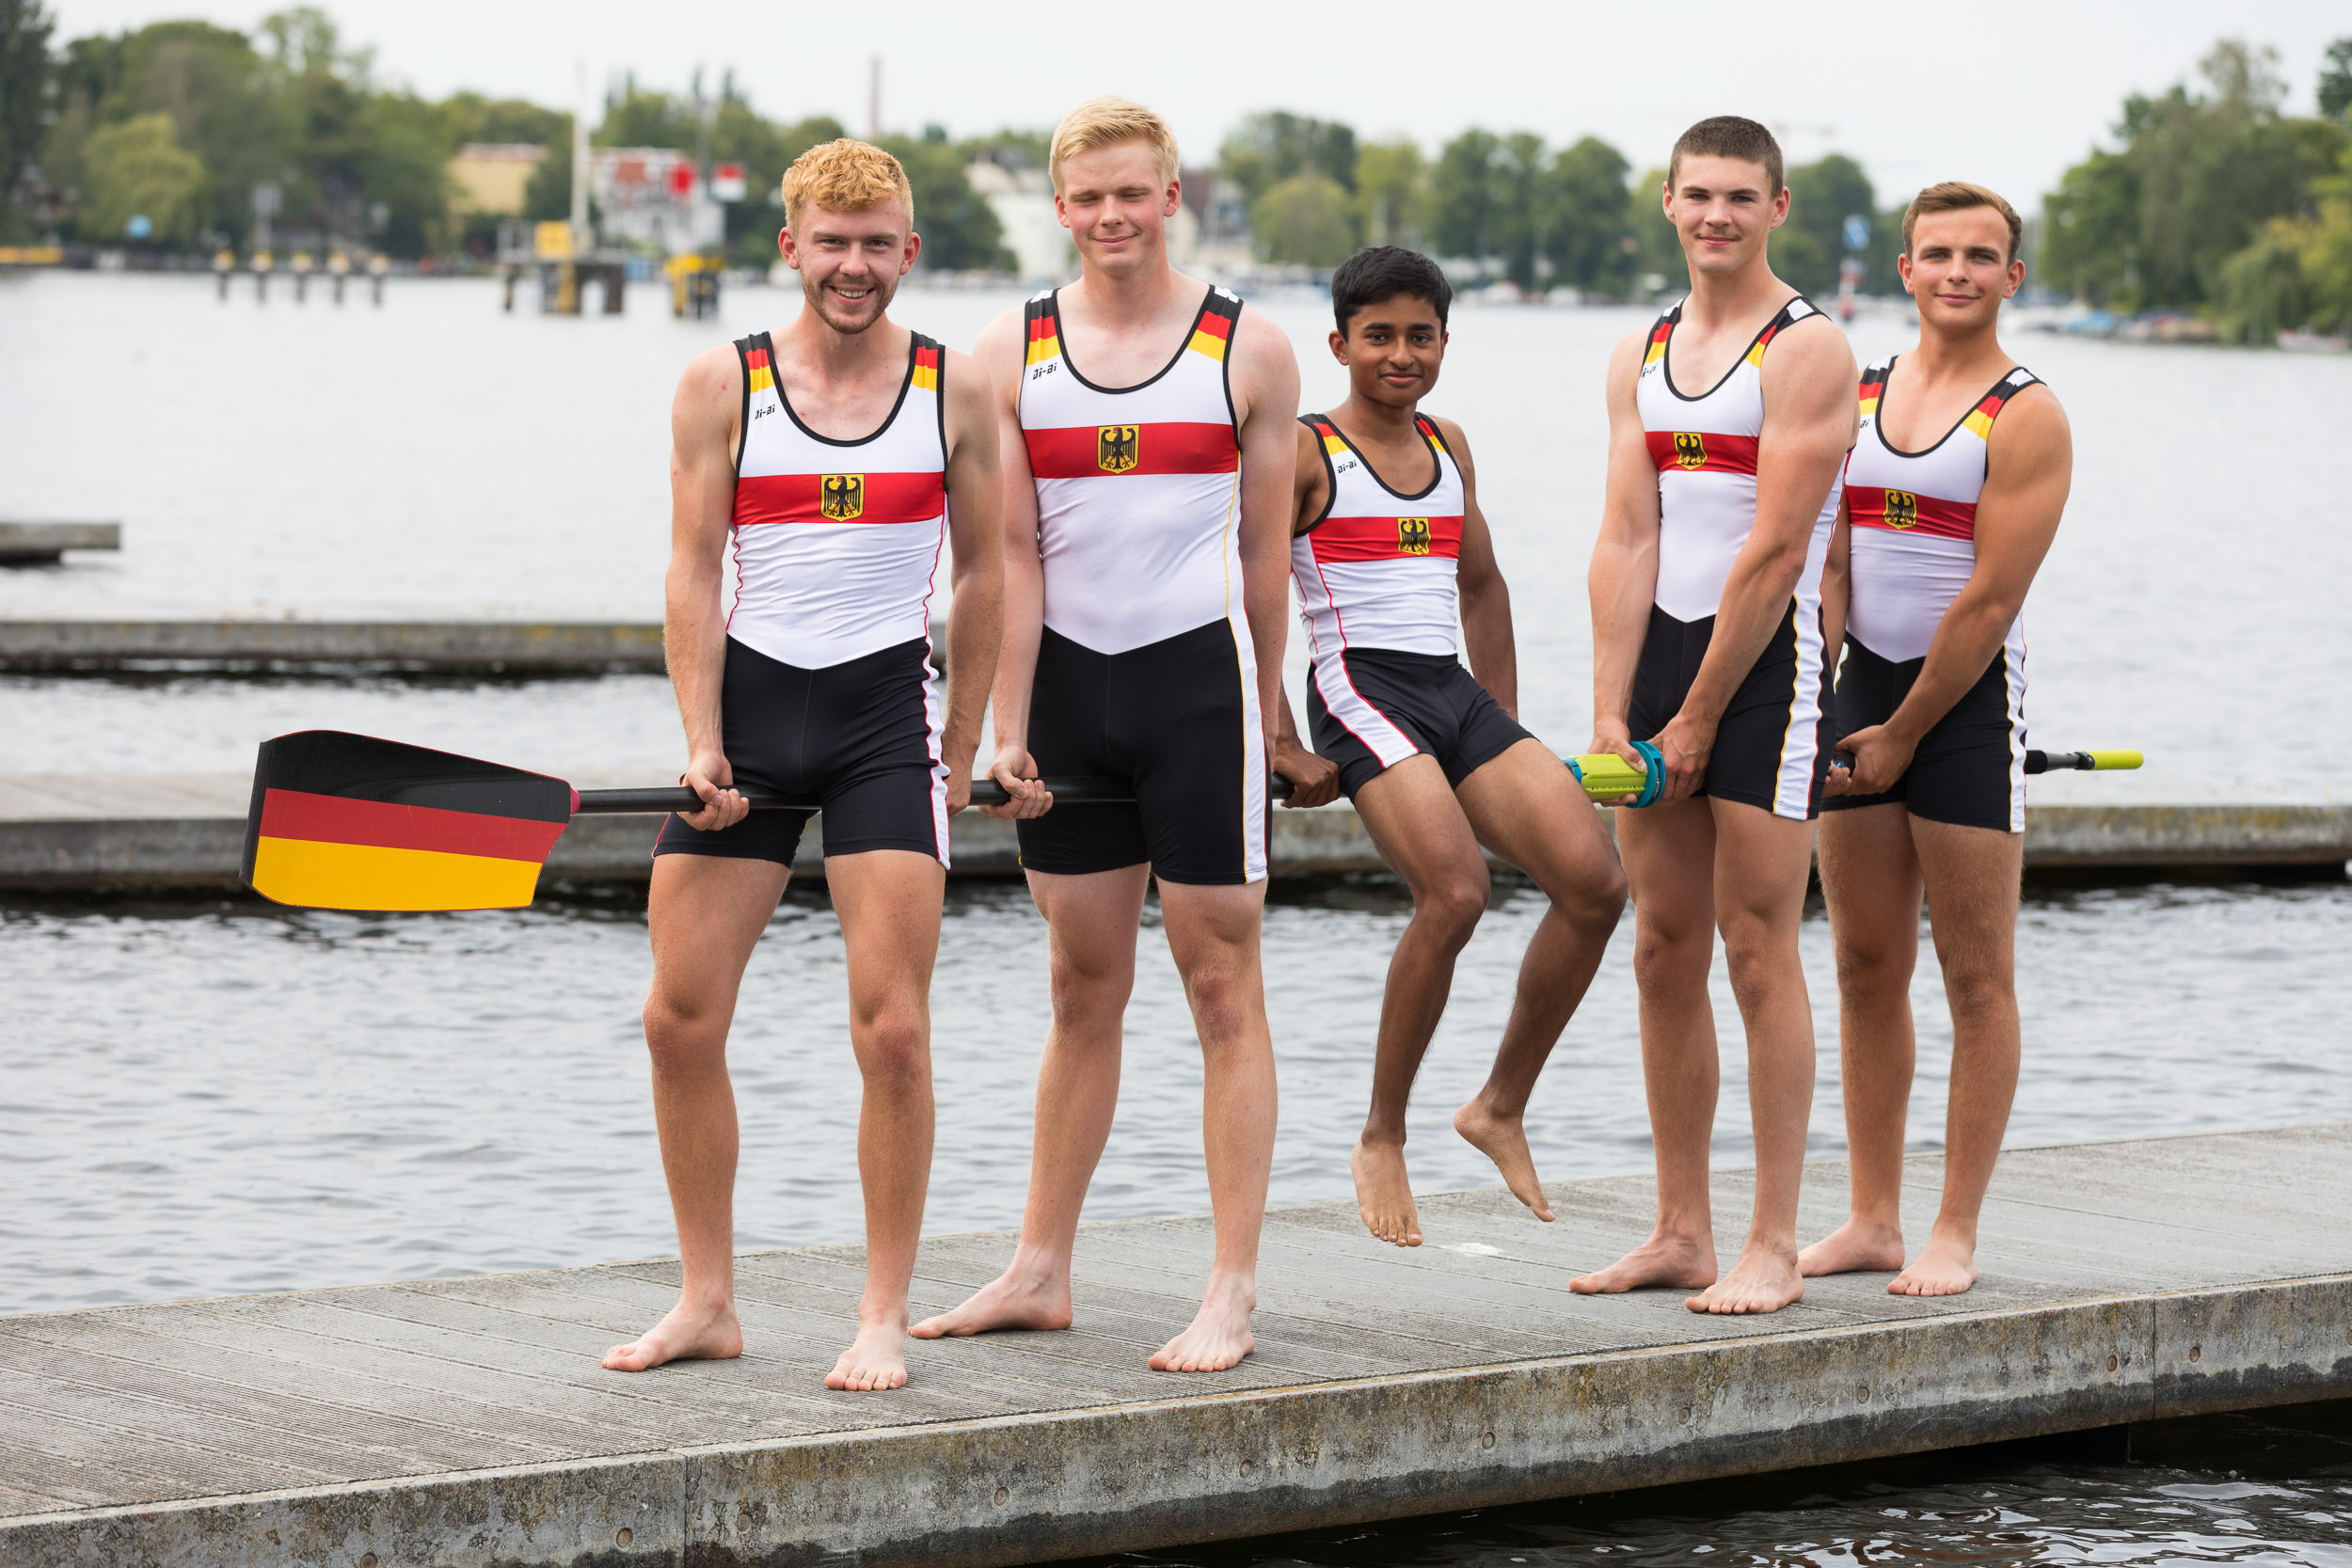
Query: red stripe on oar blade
[[340, 820]]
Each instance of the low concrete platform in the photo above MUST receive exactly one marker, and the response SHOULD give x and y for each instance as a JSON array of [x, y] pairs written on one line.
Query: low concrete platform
[[187, 829], [418, 647], [466, 1422], [45, 543]]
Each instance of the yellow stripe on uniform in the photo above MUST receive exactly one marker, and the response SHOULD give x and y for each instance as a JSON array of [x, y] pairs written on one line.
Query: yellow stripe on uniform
[[1334, 445], [1208, 344], [926, 378], [761, 378], [1869, 406], [1980, 423], [323, 876], [1042, 349], [1756, 353]]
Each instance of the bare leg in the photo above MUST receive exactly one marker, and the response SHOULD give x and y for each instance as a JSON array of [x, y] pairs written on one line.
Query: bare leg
[[1527, 809], [1413, 815], [1972, 880], [1871, 879], [704, 914], [1762, 863], [1670, 861], [1212, 933], [889, 905], [1092, 922]]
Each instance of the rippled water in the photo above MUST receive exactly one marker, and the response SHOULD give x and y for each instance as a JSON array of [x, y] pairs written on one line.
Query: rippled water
[[2273, 1489]]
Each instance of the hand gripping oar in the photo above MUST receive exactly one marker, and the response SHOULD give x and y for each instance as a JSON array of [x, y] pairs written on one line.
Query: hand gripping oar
[[342, 821]]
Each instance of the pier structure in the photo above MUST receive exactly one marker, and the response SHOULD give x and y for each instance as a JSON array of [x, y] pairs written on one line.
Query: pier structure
[[467, 1422], [30, 543]]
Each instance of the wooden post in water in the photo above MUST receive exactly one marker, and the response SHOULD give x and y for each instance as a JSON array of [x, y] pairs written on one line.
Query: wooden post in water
[[379, 265], [338, 268], [262, 262]]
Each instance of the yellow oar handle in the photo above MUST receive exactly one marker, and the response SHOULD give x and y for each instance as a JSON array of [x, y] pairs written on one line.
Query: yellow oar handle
[[2082, 762], [2102, 761], [1610, 779]]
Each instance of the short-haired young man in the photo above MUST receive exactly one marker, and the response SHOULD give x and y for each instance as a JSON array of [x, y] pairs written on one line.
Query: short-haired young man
[[1727, 424], [1396, 572], [839, 455], [1148, 452], [1953, 499]]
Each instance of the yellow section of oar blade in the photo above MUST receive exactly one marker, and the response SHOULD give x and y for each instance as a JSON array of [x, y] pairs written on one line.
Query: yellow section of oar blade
[[317, 876], [1608, 776], [2102, 762]]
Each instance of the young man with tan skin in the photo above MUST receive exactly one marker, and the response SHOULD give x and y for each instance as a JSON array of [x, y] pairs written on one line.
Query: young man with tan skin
[[1396, 572], [1953, 499], [1148, 447], [840, 457], [1728, 422]]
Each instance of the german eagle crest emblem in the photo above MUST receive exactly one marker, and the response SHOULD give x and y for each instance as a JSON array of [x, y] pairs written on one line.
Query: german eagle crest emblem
[[1690, 449], [1902, 509], [841, 497], [1117, 447], [1412, 535]]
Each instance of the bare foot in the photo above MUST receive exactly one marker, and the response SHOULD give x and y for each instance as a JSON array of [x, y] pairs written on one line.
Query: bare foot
[[876, 1359], [1685, 1262], [695, 1332], [1027, 1296], [1854, 1248], [1503, 1140], [1764, 1280], [1384, 1195], [1946, 1267], [1220, 1336]]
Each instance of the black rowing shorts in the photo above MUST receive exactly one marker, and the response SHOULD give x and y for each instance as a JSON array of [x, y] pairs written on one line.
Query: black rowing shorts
[[1178, 720], [1370, 708], [1970, 766], [861, 737], [1771, 750]]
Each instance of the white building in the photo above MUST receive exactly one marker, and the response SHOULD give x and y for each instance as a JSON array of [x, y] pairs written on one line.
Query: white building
[[654, 198], [1022, 200]]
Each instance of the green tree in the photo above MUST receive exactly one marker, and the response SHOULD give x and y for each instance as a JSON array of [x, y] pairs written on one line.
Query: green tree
[[1465, 199], [470, 116], [1657, 249], [1523, 208], [2335, 80], [1808, 249], [2262, 289], [959, 228], [1589, 238], [1307, 219], [227, 105], [25, 82], [2090, 233], [1275, 145], [136, 169], [1392, 183], [638, 118]]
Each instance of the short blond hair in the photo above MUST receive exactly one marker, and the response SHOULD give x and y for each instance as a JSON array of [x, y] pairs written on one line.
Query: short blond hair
[[1958, 195], [1107, 121], [846, 176]]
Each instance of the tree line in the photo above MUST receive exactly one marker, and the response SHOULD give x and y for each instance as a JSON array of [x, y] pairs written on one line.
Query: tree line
[[2216, 201]]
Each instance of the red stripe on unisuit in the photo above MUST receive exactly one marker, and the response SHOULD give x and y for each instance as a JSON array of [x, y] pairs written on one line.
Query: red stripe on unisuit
[[1383, 539], [797, 498], [1716, 454], [756, 357], [1868, 506], [1044, 326], [1076, 452], [337, 819], [1217, 325]]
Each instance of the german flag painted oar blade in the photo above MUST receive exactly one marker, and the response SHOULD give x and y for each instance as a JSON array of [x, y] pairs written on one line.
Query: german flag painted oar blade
[[348, 822]]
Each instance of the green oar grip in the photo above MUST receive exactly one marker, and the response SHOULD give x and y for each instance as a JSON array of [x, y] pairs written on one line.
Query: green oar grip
[[1609, 779]]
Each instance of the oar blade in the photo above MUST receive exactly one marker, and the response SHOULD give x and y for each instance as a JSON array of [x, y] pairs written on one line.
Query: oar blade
[[345, 821]]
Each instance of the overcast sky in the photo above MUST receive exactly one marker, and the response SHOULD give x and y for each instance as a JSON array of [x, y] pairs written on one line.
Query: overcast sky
[[2008, 95]]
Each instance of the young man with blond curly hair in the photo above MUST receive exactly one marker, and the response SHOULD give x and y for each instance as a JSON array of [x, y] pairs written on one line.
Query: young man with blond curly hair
[[843, 457]]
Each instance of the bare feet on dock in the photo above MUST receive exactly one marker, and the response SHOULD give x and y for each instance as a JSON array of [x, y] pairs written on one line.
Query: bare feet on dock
[[1022, 1296], [1383, 1194], [1854, 1247], [1764, 1280], [1503, 1140], [689, 1333], [1220, 1336], [1946, 1267], [1684, 1263], [876, 1359]]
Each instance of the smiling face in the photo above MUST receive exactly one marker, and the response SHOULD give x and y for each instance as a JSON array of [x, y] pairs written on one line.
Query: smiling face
[[1394, 349], [1724, 210], [850, 263], [1959, 268], [1116, 206]]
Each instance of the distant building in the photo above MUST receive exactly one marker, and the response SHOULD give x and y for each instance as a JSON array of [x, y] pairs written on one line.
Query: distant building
[[1212, 226], [491, 177], [1022, 200], [654, 198]]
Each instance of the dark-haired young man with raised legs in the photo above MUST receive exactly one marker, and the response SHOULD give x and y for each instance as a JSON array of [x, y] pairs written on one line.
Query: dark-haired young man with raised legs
[[1728, 421], [1396, 571], [1952, 499]]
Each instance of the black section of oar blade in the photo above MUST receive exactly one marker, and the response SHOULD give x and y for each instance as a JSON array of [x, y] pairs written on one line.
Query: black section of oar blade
[[362, 767]]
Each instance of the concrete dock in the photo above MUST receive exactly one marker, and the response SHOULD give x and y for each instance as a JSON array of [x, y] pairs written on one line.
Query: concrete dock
[[415, 647], [45, 543], [157, 831], [466, 1422]]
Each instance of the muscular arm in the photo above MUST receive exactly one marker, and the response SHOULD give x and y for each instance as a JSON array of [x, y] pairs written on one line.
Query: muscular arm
[[975, 532], [1809, 420], [1485, 598], [2029, 466], [1623, 581], [702, 419], [1266, 394], [999, 354]]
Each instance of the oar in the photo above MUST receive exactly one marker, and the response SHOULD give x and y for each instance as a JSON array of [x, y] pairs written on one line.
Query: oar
[[2081, 762]]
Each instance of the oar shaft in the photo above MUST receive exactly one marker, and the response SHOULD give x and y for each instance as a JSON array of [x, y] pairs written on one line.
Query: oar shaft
[[2082, 762]]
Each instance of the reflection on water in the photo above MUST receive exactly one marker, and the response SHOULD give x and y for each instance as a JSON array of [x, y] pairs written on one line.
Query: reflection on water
[[2272, 1488]]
